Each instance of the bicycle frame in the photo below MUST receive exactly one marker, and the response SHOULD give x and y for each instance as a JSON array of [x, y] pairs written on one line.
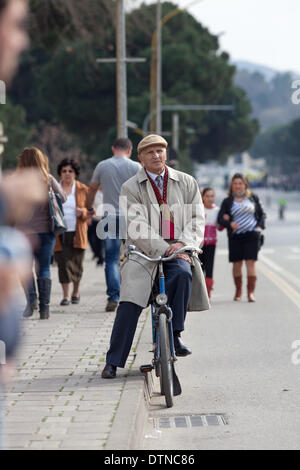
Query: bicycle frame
[[164, 348], [155, 311]]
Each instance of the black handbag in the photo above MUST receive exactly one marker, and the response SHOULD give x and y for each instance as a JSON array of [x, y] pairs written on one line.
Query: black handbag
[[261, 240], [57, 221]]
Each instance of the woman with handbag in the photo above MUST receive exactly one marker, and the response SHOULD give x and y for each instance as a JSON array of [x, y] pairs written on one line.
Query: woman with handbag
[[40, 230], [243, 216], [70, 247]]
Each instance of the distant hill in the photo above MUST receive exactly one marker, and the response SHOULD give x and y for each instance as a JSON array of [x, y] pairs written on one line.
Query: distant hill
[[269, 91], [252, 67]]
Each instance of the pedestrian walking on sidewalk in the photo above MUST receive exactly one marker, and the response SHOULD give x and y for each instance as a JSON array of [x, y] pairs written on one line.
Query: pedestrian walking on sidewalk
[[243, 216], [207, 256], [167, 206], [38, 228], [96, 243], [71, 245], [110, 174]]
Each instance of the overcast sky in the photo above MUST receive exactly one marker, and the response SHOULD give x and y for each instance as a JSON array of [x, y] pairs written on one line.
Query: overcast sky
[[263, 31]]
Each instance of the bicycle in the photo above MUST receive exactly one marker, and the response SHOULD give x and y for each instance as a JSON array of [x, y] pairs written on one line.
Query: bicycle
[[162, 331]]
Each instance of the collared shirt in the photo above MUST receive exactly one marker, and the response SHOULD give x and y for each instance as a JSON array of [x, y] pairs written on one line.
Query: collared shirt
[[154, 176]]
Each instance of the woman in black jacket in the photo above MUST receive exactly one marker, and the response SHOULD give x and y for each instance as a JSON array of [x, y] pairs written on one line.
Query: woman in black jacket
[[242, 215]]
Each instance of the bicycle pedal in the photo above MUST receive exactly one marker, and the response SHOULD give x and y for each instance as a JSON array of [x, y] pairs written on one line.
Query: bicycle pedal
[[146, 368]]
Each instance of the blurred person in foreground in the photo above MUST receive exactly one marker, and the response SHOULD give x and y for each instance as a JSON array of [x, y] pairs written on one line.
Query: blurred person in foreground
[[18, 194], [243, 216], [15, 266], [38, 229], [71, 245], [207, 257], [110, 174], [13, 36]]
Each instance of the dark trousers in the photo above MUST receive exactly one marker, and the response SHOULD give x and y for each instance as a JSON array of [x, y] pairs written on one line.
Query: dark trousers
[[207, 259], [178, 278]]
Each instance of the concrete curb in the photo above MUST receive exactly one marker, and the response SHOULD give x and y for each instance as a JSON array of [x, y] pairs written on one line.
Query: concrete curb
[[132, 413]]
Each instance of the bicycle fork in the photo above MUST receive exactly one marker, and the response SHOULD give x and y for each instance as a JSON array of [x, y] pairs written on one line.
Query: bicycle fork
[[168, 311]]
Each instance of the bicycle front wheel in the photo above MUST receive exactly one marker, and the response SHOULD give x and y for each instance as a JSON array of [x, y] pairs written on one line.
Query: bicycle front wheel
[[166, 361]]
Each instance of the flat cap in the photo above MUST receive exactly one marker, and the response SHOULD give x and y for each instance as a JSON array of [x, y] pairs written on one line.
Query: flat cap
[[152, 139]]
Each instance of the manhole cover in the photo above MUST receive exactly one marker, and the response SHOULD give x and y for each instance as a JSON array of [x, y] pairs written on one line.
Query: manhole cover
[[190, 421]]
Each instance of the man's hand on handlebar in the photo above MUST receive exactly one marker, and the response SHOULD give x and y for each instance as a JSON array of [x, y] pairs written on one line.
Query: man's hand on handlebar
[[174, 247]]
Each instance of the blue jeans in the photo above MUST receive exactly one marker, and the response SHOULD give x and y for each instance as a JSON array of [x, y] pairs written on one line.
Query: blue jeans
[[44, 254], [112, 229], [112, 272]]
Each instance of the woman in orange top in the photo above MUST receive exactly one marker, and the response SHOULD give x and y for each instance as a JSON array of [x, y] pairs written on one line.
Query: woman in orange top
[[70, 247]]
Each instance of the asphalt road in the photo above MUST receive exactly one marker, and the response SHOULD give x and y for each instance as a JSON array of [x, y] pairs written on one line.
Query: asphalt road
[[245, 366]]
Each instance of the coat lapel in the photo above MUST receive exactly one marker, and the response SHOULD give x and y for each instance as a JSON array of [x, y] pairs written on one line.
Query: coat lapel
[[145, 184]]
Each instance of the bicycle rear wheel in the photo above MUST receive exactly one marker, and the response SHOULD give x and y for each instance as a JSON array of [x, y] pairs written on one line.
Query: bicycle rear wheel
[[165, 361]]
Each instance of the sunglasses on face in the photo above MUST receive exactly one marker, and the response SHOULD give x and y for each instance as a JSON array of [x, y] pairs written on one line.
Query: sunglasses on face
[[67, 171]]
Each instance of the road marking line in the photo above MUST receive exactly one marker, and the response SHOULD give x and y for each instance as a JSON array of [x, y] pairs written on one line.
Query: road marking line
[[268, 251], [286, 288], [293, 257], [278, 269]]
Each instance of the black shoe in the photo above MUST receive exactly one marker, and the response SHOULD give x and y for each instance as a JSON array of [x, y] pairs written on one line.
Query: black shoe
[[30, 307], [180, 349], [44, 288], [111, 306], [75, 300], [109, 372], [65, 302], [44, 315]]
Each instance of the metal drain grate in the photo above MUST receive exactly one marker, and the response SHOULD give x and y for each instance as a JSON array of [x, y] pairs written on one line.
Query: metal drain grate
[[190, 421]]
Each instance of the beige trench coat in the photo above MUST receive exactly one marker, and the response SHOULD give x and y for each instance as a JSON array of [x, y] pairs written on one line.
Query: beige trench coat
[[139, 205]]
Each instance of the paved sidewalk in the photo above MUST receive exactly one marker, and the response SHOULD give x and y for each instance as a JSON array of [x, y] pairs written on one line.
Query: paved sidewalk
[[58, 399]]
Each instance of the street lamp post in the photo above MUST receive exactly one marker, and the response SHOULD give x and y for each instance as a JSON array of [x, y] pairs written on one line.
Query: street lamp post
[[185, 107], [121, 61], [156, 74], [158, 70], [156, 65], [121, 71]]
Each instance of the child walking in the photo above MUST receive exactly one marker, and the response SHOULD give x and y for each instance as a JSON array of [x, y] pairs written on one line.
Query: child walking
[[210, 236]]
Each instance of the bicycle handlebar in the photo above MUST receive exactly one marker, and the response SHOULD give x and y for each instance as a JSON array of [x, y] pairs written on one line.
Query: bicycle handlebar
[[132, 251]]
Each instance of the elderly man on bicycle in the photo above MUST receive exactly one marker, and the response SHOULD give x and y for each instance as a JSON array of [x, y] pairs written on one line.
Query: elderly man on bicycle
[[164, 212]]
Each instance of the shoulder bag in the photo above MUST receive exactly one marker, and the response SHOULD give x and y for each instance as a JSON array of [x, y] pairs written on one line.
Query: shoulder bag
[[57, 221]]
